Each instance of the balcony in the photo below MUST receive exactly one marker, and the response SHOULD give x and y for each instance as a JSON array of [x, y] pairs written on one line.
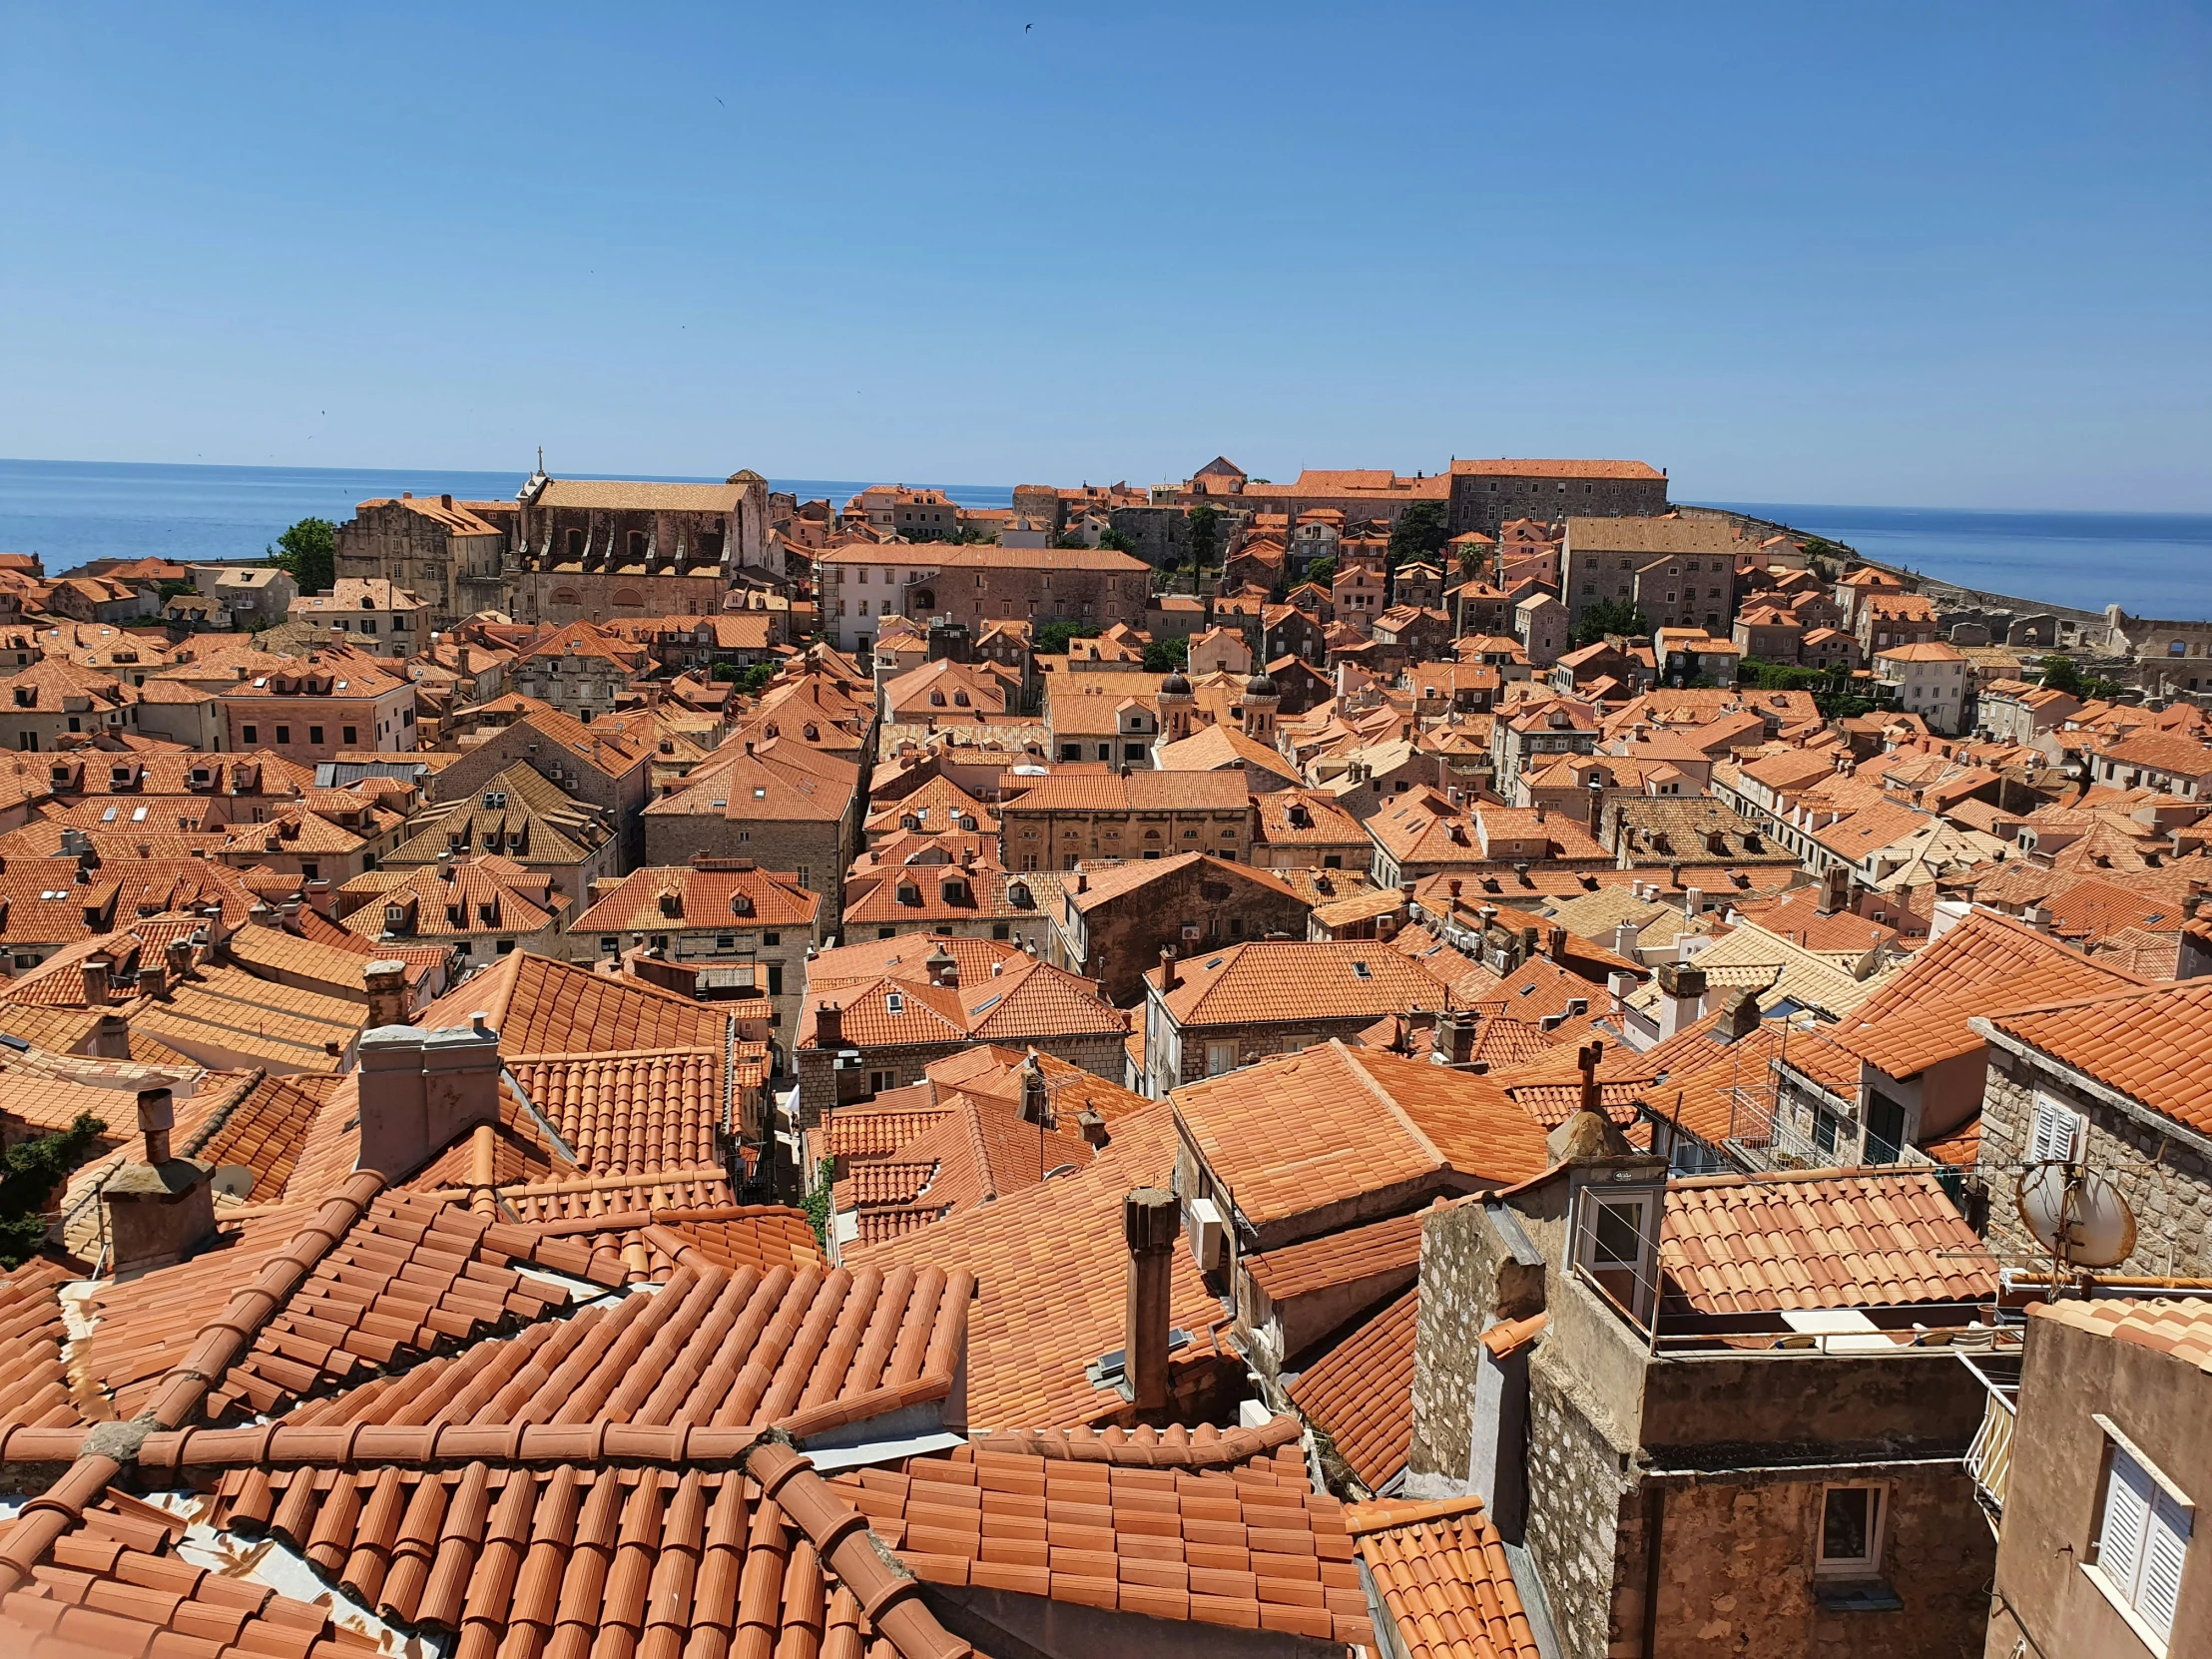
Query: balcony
[[1990, 1458]]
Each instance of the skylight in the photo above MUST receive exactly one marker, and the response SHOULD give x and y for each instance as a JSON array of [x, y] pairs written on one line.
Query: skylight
[[1359, 971]]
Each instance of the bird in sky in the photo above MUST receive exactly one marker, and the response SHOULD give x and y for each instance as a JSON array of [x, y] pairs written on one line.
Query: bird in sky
[[719, 100]]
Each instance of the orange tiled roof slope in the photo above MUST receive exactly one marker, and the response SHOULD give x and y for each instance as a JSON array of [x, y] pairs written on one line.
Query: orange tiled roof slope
[[2180, 1326], [2153, 1045], [1250, 1547], [1297, 979], [1364, 1122], [637, 1243], [1989, 961], [630, 1113], [34, 1381], [1733, 1244], [1442, 1570], [1342, 1257], [1050, 1262], [539, 1005], [1361, 1394]]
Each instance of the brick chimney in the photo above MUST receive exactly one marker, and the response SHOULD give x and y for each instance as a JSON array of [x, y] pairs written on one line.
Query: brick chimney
[[1168, 980], [420, 1091], [1455, 1032], [829, 1025], [96, 970], [160, 1207], [387, 984], [1149, 1226], [153, 976], [943, 967], [1555, 945]]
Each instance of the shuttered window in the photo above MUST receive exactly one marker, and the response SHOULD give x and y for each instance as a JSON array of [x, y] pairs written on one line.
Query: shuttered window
[[2058, 1132], [2143, 1542]]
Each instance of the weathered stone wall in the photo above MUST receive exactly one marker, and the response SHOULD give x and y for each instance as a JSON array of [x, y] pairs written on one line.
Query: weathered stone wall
[[814, 850], [2166, 1181], [1736, 1572], [564, 596], [1124, 937], [1470, 1277], [1582, 1532]]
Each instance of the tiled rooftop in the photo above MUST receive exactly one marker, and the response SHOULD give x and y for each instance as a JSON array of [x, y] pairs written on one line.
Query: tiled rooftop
[[1361, 1394], [2179, 1326], [1441, 1571], [1741, 1243], [2153, 1045], [629, 1113], [1343, 1257]]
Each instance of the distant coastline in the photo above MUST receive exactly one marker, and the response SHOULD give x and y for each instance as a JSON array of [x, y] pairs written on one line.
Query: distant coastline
[[2153, 564]]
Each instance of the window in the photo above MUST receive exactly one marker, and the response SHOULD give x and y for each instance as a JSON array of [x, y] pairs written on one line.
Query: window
[[2058, 1134], [1219, 1057], [1617, 1248], [894, 1003], [2142, 1539], [1851, 1532], [608, 944], [347, 734], [283, 733], [314, 734]]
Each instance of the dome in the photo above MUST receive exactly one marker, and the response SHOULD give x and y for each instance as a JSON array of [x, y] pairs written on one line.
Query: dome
[[1175, 684], [1261, 685]]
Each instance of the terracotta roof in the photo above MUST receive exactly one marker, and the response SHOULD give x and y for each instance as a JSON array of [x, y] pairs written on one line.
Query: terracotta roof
[[1555, 469], [1732, 1243], [1986, 962], [1139, 790], [630, 1113], [2181, 1327], [34, 1381], [1442, 1570], [2151, 1044], [1296, 979], [1248, 1546], [1361, 1395], [1049, 1263], [540, 1005], [1343, 1257]]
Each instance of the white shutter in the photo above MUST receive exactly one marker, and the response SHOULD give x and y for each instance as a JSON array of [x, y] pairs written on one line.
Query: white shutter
[[2127, 1494], [2057, 1128], [2163, 1547]]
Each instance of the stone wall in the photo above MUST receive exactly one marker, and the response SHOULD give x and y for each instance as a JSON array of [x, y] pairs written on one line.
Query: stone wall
[[620, 795], [1583, 1529], [1472, 1276], [1123, 937], [813, 850], [2166, 1181]]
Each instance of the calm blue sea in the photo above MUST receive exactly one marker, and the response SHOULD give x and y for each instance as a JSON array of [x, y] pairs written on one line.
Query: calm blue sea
[[73, 511], [2153, 564], [2156, 564]]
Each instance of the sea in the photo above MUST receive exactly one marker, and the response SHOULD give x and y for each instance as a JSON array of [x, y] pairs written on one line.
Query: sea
[[69, 512]]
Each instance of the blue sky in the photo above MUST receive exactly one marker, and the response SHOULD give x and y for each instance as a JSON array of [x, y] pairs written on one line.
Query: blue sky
[[1946, 256]]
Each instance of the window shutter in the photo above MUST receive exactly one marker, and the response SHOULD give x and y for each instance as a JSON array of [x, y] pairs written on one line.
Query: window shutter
[[2164, 1546], [2127, 1496], [2057, 1128]]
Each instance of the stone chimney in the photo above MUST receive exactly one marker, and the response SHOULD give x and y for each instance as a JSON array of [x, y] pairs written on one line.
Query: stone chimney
[[1555, 944], [96, 970], [828, 1026], [1149, 1226], [1168, 978], [420, 1091], [153, 976], [1455, 1030], [387, 984], [1681, 997], [160, 1208], [1739, 1017], [1624, 939], [1834, 890], [1093, 1125], [177, 954], [943, 967]]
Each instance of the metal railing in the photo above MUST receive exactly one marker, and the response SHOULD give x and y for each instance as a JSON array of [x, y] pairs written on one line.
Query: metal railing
[[1990, 1458]]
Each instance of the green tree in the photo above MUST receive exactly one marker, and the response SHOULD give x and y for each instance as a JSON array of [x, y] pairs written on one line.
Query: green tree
[[1118, 540], [816, 1203], [2064, 673], [29, 1173], [1162, 655], [1204, 526], [1609, 616], [307, 553], [1053, 637], [1420, 530], [1322, 572]]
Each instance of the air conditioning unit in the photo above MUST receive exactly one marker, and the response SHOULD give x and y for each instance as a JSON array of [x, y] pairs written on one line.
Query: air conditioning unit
[[1207, 1231]]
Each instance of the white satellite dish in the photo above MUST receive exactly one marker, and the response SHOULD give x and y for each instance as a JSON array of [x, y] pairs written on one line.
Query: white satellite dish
[[2076, 1214], [232, 1181]]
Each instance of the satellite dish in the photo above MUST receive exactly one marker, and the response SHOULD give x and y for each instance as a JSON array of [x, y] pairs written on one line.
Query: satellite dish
[[232, 1181], [2076, 1214]]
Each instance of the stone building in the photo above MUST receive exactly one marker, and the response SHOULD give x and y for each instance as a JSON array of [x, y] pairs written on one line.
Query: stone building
[[1130, 813], [522, 816], [1680, 571], [782, 804], [54, 697], [605, 769], [863, 582], [580, 669], [593, 550], [2094, 1459], [1487, 494], [2100, 1083], [313, 708], [450, 553], [1112, 922], [1697, 1459]]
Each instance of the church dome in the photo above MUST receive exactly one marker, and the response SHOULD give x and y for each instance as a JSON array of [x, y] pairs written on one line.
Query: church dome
[[1261, 685], [1175, 684]]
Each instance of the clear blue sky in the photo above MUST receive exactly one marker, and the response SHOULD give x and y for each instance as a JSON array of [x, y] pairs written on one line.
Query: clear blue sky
[[1952, 254]]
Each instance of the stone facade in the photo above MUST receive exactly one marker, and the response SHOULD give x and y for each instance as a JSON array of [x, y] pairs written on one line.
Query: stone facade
[[592, 550], [448, 552], [1200, 905], [612, 779], [1485, 495], [862, 583], [2162, 1169]]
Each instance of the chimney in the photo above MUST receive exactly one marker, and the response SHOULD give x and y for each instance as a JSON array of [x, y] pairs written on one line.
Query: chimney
[[1834, 890], [1455, 1029], [1693, 902], [1681, 997], [828, 1026], [1555, 945], [1093, 1125], [1739, 1017], [945, 967], [1149, 1226], [153, 978], [261, 916], [1168, 980], [1618, 986], [1082, 881], [1624, 940], [386, 982], [96, 970], [420, 1091], [160, 1208]]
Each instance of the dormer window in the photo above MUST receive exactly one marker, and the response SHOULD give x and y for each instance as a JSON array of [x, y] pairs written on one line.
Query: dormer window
[[894, 1004], [1616, 1247]]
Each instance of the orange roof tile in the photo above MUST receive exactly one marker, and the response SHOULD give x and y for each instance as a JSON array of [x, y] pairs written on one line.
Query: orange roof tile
[[1296, 979], [1361, 1395], [1732, 1243], [1344, 1258], [2181, 1327], [1442, 1570], [2153, 1044]]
